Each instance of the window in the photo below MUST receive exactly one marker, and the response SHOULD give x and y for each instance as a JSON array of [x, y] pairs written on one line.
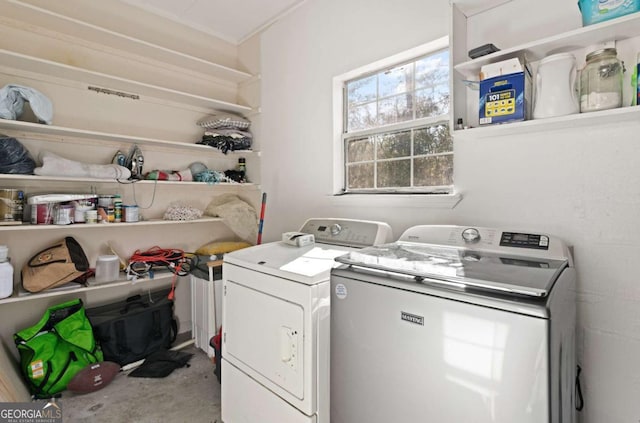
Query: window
[[395, 126]]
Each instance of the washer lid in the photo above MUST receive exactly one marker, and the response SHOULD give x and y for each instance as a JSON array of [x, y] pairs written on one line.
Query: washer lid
[[462, 267]]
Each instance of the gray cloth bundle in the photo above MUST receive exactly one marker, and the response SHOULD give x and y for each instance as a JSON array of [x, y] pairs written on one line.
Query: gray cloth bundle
[[12, 98]]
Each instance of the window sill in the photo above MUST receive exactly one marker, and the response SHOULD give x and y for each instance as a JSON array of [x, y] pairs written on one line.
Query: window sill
[[435, 201]]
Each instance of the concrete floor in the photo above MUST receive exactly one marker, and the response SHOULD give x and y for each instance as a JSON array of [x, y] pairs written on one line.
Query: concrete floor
[[190, 394]]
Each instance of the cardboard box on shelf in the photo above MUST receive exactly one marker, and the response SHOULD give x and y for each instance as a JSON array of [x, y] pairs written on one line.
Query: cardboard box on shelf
[[505, 92]]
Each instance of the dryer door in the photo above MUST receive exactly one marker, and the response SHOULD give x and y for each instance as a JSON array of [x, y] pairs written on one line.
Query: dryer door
[[264, 334]]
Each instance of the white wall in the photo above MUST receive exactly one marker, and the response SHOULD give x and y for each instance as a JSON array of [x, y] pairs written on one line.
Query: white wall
[[582, 185]]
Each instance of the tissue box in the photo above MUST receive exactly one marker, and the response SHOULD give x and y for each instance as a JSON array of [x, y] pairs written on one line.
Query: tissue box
[[594, 11], [505, 92]]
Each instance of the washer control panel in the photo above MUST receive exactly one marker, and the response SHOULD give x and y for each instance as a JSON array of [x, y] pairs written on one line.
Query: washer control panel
[[496, 240], [515, 239]]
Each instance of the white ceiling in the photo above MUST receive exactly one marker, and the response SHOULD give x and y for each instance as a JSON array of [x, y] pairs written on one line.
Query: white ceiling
[[231, 20]]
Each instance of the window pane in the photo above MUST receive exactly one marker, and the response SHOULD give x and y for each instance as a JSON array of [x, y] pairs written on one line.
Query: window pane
[[432, 101], [387, 142], [395, 81], [395, 173], [394, 145], [360, 150], [433, 70], [395, 109], [362, 90], [433, 171], [362, 117], [432, 140], [360, 176]]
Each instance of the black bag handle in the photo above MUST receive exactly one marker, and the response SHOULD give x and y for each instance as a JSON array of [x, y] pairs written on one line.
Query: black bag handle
[[129, 306], [174, 328], [78, 257]]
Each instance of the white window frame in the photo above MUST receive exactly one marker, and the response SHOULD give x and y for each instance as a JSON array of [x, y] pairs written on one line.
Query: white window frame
[[443, 200]]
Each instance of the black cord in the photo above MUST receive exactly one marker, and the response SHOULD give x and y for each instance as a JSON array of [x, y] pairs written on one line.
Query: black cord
[[579, 398]]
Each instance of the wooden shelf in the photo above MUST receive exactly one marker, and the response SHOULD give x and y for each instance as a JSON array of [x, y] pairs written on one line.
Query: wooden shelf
[[36, 65], [22, 295], [98, 34], [618, 29], [62, 132], [40, 180], [100, 226], [604, 117]]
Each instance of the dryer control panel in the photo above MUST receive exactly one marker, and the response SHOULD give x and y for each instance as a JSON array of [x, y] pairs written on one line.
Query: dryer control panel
[[347, 232]]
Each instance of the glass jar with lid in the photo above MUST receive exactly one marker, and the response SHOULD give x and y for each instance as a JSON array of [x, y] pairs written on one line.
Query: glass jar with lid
[[601, 81]]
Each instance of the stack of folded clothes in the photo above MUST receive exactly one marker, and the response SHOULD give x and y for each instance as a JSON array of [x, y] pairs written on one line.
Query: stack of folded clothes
[[226, 132]]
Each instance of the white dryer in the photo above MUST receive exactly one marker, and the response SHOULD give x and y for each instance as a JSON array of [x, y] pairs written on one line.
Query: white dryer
[[276, 319]]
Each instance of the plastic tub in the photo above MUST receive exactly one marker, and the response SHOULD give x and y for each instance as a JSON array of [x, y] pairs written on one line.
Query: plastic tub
[[107, 268]]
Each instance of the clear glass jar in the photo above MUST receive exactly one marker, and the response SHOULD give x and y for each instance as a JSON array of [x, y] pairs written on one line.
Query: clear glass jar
[[601, 81]]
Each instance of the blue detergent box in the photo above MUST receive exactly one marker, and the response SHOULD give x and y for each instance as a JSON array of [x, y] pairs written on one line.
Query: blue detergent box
[[505, 92]]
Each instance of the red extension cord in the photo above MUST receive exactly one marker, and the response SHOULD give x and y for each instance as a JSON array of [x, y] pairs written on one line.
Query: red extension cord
[[172, 258]]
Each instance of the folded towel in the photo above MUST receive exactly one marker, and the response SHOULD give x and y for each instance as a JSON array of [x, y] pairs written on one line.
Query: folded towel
[[54, 165]]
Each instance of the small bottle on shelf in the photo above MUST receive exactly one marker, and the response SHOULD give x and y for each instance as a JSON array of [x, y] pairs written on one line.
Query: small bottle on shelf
[[242, 164], [242, 169], [117, 208]]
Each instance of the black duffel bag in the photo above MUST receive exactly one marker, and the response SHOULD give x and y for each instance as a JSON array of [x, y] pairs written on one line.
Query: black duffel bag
[[130, 330]]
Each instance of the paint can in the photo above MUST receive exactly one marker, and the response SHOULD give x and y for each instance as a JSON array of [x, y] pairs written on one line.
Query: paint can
[[42, 213], [91, 216], [80, 209], [64, 214], [11, 204], [130, 213]]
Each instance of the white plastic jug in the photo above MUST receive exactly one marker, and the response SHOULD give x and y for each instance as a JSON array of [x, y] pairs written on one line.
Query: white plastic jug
[[556, 87]]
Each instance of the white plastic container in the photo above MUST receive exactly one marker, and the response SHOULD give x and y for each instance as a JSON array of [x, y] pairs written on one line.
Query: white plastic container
[[556, 87], [6, 273], [107, 268]]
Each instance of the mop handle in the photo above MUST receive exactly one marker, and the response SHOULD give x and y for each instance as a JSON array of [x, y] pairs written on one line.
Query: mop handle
[[264, 204]]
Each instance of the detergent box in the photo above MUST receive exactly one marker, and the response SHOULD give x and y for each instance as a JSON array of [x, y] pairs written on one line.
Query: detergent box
[[594, 11], [505, 92]]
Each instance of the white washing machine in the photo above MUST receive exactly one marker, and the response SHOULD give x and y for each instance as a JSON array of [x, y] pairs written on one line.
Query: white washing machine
[[276, 319], [455, 324]]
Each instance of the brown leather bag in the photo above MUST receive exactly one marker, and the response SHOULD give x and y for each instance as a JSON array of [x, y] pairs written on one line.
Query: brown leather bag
[[54, 266]]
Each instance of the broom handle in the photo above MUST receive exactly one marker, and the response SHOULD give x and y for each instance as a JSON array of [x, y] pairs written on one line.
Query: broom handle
[[264, 204]]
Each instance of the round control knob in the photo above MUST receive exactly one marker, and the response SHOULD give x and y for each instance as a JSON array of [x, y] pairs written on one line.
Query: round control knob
[[335, 229], [471, 235]]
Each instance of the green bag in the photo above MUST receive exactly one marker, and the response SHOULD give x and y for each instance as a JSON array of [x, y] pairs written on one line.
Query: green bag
[[56, 348]]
